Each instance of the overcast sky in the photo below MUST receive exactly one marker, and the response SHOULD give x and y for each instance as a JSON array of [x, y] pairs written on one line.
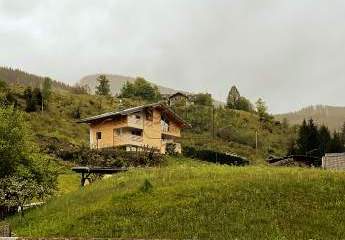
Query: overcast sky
[[291, 53]]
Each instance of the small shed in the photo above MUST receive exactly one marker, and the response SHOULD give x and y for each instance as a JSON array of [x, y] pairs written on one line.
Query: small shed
[[334, 161]]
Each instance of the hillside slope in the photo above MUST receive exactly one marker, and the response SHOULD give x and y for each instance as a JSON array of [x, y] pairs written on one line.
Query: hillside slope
[[116, 83], [234, 130], [332, 116], [188, 200], [18, 77]]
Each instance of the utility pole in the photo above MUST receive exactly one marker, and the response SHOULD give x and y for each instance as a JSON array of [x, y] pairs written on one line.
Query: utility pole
[[42, 102], [256, 142], [213, 129]]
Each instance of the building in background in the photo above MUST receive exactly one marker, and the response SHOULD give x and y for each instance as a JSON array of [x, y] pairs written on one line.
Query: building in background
[[334, 161]]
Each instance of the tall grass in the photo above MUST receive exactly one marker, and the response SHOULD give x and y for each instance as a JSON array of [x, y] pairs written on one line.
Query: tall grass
[[195, 200]]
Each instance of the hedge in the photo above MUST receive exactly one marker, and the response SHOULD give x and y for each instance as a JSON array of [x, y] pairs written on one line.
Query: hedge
[[214, 156]]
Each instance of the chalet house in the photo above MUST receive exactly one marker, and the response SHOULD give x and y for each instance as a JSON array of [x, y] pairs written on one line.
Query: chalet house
[[171, 99], [154, 125]]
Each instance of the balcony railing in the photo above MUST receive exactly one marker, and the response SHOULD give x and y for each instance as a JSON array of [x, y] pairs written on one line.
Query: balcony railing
[[134, 122], [128, 139]]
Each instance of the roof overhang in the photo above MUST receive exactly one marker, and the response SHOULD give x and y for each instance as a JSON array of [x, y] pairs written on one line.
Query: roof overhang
[[111, 115]]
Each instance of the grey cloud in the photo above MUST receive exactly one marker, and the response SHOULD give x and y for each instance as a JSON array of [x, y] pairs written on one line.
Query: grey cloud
[[291, 53]]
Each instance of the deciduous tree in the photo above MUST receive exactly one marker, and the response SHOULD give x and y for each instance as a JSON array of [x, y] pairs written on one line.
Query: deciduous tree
[[24, 172], [103, 87], [204, 99], [140, 89]]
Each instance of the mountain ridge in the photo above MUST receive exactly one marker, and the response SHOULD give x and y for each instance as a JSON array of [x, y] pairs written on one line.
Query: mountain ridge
[[331, 116], [116, 82]]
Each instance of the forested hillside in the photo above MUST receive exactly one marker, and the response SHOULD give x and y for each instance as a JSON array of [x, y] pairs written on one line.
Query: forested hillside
[[16, 76], [331, 116], [214, 128]]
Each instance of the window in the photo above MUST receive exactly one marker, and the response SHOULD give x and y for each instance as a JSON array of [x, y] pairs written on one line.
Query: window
[[165, 123], [136, 132], [99, 135], [137, 116], [149, 115], [118, 131]]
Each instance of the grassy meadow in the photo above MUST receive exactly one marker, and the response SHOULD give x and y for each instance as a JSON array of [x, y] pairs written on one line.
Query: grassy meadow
[[191, 199]]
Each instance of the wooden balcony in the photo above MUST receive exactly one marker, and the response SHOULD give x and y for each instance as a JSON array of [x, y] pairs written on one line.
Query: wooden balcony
[[128, 139], [134, 122], [170, 130]]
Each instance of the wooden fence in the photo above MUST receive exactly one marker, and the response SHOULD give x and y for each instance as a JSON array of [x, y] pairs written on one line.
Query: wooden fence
[[334, 161]]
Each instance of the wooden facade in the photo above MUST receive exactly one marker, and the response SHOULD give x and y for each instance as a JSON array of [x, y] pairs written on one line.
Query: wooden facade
[[152, 126], [334, 161]]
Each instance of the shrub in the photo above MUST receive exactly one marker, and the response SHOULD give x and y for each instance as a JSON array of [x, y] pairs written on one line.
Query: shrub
[[76, 113], [214, 156], [108, 157], [146, 187], [117, 157], [170, 149]]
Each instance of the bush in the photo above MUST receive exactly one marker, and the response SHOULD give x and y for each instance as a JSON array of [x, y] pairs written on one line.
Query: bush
[[141, 89], [76, 113], [214, 156], [108, 157], [146, 187], [117, 157], [170, 149]]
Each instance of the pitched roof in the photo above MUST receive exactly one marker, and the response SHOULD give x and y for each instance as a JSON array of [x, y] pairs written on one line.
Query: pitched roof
[[134, 110]]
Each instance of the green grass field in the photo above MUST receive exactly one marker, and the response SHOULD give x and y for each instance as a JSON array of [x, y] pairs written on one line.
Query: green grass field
[[189, 199]]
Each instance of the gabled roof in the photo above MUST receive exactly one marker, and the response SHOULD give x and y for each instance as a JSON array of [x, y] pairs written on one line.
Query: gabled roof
[[178, 94], [128, 111]]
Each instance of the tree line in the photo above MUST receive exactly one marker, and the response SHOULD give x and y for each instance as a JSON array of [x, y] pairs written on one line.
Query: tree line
[[17, 76], [316, 141], [238, 102]]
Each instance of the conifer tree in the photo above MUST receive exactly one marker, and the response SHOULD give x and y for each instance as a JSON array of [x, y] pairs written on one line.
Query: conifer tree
[[313, 136], [36, 93], [46, 92], [233, 98], [336, 145], [325, 138], [342, 133], [302, 139], [30, 99], [236, 101]]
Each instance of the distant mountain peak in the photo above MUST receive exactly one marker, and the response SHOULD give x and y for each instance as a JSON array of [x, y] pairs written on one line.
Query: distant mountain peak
[[117, 81]]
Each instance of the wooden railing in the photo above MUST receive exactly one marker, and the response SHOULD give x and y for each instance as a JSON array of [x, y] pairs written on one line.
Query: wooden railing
[[128, 139], [134, 122]]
